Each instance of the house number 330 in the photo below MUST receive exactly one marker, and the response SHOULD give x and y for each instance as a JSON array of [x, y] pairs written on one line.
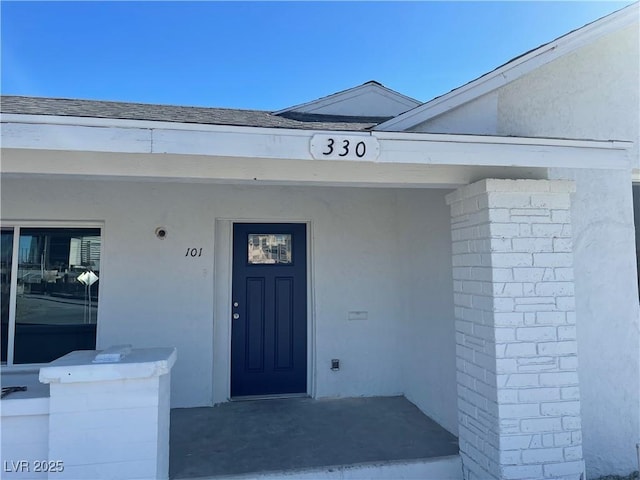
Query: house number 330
[[193, 252], [344, 147], [343, 150]]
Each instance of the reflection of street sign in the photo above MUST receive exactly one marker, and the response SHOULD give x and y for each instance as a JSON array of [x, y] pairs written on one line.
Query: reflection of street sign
[[87, 278]]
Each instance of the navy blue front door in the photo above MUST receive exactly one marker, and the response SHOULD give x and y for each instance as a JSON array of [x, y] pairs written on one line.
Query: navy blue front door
[[269, 309]]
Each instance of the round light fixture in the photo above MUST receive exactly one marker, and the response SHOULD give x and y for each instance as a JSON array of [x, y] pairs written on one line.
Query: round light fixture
[[161, 233]]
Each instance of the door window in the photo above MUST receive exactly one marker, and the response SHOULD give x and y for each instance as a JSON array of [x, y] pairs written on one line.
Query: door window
[[265, 248]]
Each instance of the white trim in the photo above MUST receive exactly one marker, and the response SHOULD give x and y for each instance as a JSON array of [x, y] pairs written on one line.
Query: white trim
[[11, 120], [514, 69], [311, 319], [229, 307], [210, 148], [222, 288], [508, 153], [13, 296], [52, 223]]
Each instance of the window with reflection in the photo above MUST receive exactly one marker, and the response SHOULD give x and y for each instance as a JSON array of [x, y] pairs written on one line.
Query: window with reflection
[[56, 292], [268, 248]]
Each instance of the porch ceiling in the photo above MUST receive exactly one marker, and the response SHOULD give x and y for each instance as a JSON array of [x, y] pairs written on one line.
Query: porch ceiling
[[21, 163]]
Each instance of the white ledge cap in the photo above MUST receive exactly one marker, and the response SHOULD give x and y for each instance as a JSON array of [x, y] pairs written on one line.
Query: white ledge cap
[[79, 366]]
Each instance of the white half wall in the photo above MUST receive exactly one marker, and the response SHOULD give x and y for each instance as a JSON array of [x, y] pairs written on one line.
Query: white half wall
[[363, 259]]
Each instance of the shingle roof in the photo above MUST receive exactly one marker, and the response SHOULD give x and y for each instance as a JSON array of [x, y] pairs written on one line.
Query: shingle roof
[[180, 114]]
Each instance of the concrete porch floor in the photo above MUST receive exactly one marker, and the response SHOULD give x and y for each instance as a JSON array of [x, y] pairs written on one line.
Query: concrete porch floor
[[298, 434]]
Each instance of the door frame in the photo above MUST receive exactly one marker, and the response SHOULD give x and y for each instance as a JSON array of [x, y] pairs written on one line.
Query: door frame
[[222, 311]]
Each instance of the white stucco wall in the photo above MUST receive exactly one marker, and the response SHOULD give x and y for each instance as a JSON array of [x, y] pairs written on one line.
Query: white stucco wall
[[478, 117], [607, 318], [151, 295], [591, 93], [428, 348]]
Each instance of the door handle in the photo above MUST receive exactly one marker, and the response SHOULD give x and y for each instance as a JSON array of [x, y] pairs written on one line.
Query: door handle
[[236, 316]]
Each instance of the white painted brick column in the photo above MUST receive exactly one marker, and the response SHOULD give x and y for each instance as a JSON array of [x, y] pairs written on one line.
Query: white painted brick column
[[110, 420], [516, 346]]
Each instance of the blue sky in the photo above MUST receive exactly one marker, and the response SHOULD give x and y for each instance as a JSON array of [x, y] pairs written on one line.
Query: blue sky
[[267, 55]]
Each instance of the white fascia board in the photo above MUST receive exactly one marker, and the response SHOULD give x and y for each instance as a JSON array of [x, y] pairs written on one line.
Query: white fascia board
[[504, 154], [39, 136], [232, 143], [287, 144], [134, 136], [512, 70], [276, 145], [46, 132], [488, 150]]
